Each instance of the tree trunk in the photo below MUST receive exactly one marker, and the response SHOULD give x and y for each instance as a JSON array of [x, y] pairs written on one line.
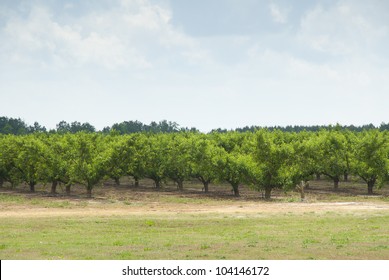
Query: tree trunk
[[236, 190], [68, 188], [268, 192], [1, 183], [301, 189], [157, 184], [336, 183], [370, 185], [318, 176], [117, 181], [302, 195], [89, 192], [346, 176], [206, 186], [180, 185], [54, 187], [136, 181], [32, 186]]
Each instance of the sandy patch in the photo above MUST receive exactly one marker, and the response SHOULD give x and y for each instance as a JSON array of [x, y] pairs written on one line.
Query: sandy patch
[[97, 209]]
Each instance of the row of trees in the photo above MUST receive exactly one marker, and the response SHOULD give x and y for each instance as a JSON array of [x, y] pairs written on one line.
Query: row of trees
[[19, 127], [312, 128], [263, 160]]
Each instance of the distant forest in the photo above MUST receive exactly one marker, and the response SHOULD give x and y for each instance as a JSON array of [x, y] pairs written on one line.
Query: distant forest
[[17, 126]]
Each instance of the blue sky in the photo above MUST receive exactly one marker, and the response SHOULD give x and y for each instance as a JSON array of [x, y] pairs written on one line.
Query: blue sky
[[204, 63]]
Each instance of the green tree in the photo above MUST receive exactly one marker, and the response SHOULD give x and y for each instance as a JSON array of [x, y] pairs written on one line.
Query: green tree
[[154, 153], [87, 160], [370, 158], [63, 127], [271, 154], [235, 169], [334, 155], [13, 126], [204, 160], [36, 128], [137, 146], [30, 160], [302, 162], [8, 154], [119, 156], [230, 141], [57, 154], [177, 164]]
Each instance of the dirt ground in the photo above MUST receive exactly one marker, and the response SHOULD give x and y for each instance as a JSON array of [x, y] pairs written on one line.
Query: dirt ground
[[158, 209], [124, 200]]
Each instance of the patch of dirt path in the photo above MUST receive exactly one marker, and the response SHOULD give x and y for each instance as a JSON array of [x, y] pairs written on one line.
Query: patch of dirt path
[[97, 209]]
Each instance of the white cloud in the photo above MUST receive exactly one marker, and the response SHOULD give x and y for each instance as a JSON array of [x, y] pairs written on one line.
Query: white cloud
[[68, 6], [278, 15], [129, 34], [39, 38], [341, 29], [355, 76]]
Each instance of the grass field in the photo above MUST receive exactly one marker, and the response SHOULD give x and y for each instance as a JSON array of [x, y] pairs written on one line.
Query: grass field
[[124, 223]]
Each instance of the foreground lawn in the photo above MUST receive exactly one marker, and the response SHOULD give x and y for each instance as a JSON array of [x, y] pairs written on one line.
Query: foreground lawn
[[308, 235]]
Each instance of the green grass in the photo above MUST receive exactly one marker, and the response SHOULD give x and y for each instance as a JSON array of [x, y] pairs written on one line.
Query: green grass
[[198, 236], [10, 200], [362, 234], [14, 199]]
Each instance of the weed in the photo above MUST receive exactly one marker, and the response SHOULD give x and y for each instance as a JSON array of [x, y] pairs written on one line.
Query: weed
[[118, 243], [150, 223]]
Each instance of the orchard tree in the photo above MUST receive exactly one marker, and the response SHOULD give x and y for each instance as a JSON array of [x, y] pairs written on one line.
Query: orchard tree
[[234, 168], [136, 146], [119, 156], [8, 154], [305, 156], [3, 165], [178, 158], [333, 155], [370, 158], [271, 155], [229, 141], [87, 160], [350, 143], [154, 153], [30, 160], [301, 163], [204, 160], [3, 168], [57, 156]]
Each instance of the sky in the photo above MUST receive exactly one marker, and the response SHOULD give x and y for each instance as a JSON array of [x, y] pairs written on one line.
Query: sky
[[205, 63]]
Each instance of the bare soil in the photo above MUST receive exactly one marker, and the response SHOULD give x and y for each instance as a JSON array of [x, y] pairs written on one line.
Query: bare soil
[[170, 209], [125, 200]]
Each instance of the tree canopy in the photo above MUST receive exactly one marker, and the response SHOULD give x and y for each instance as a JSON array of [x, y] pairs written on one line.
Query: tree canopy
[[17, 126], [263, 160]]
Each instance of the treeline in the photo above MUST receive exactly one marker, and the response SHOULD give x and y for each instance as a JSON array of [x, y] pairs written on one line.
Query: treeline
[[264, 160], [16, 126], [19, 127], [312, 128]]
